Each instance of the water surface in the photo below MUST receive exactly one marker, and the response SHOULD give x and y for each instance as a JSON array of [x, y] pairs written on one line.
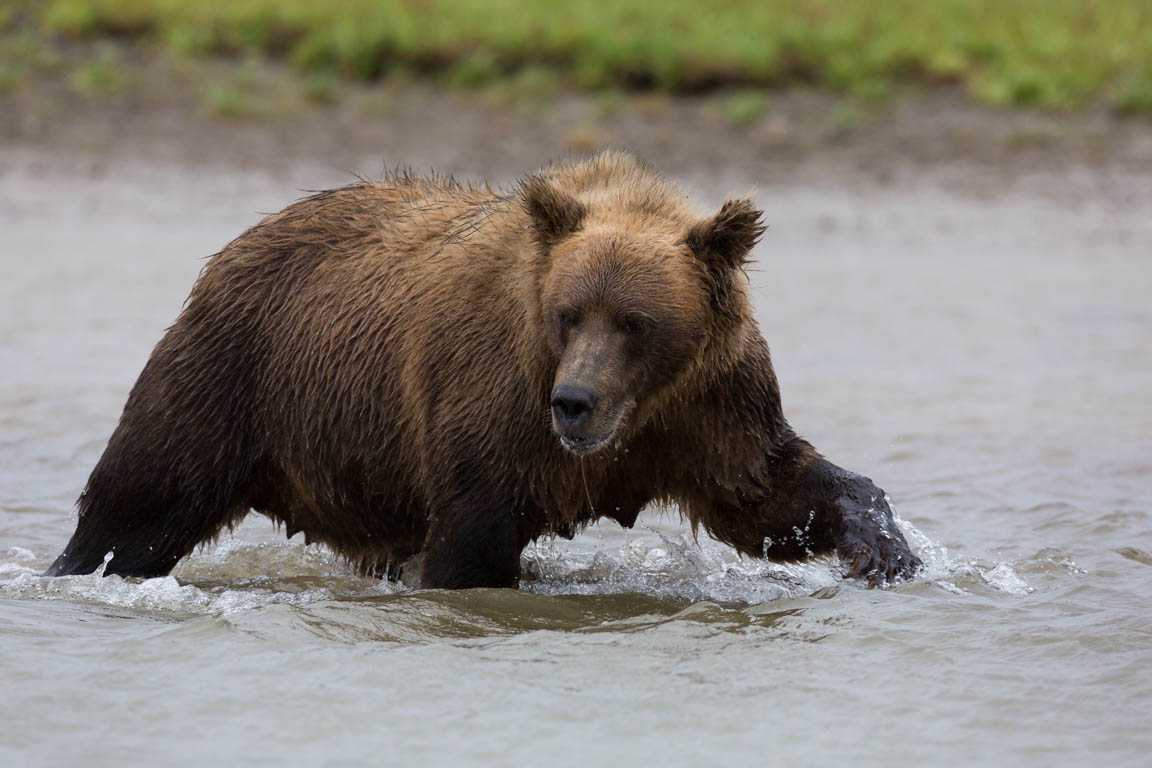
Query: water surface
[[984, 358]]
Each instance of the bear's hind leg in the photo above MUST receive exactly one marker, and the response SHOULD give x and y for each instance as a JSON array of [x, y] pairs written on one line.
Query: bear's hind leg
[[176, 470], [148, 520]]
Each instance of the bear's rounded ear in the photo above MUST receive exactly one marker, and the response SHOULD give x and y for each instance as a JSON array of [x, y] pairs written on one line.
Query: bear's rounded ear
[[728, 237], [554, 213]]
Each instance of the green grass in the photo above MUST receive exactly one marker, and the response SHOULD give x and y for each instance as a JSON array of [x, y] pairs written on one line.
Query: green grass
[[234, 100], [745, 108], [98, 76], [1038, 53], [1135, 93]]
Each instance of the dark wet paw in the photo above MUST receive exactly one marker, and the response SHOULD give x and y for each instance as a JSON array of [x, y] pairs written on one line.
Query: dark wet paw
[[870, 545], [878, 563]]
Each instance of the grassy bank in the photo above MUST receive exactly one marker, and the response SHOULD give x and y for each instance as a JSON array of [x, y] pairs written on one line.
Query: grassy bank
[[1041, 53]]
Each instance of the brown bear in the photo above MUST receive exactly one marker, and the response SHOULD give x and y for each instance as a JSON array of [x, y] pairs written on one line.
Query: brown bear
[[420, 366]]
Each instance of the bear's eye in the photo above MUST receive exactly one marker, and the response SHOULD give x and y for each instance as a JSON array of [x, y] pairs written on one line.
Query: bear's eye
[[567, 320], [633, 326]]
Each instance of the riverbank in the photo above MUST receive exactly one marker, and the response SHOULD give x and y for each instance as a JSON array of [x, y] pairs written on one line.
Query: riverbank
[[1060, 54]]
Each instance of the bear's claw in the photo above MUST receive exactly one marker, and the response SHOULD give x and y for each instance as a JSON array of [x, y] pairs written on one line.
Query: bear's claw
[[869, 540]]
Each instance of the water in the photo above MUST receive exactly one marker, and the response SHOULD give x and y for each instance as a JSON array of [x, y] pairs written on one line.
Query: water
[[983, 355]]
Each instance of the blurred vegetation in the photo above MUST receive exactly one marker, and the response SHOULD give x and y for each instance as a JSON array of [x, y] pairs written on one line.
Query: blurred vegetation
[[99, 76], [745, 107], [1040, 53]]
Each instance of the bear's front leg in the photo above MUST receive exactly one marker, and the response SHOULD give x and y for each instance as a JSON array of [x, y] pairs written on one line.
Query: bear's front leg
[[472, 546], [861, 524], [799, 505]]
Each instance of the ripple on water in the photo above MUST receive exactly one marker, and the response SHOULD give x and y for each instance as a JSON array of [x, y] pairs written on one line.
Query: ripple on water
[[1135, 554]]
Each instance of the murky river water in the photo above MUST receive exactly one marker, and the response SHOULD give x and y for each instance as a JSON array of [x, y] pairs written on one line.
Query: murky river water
[[985, 358]]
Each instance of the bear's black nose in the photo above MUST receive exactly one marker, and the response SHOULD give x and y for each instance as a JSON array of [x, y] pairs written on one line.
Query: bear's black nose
[[571, 406]]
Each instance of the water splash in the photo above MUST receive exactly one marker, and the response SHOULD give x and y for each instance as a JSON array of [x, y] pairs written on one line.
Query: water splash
[[957, 575], [258, 570], [237, 575], [663, 566]]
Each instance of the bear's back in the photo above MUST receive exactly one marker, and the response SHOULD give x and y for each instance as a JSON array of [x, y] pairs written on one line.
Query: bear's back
[[356, 306]]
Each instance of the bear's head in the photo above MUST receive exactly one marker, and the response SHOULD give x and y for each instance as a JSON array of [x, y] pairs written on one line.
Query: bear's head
[[634, 291]]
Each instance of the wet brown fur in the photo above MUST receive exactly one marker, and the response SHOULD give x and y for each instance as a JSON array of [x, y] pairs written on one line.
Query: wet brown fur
[[372, 366]]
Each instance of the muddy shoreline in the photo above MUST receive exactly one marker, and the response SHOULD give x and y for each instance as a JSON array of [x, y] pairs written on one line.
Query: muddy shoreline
[[802, 138]]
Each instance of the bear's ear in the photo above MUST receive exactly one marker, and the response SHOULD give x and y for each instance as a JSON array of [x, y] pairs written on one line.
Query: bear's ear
[[727, 238], [554, 213]]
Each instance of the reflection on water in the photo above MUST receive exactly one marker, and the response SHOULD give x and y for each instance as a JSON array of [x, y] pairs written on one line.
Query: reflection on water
[[985, 361]]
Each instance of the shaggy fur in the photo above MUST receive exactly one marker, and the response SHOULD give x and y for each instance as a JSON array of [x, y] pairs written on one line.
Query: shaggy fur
[[373, 366]]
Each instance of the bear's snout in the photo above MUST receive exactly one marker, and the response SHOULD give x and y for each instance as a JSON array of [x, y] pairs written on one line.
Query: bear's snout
[[590, 397], [581, 422], [571, 407]]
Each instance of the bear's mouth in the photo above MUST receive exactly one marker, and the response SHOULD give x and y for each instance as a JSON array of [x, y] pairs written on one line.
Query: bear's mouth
[[582, 446]]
